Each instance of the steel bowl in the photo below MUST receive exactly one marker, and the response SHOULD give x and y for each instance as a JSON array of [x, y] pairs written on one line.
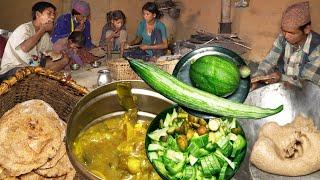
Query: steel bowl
[[305, 100], [102, 103], [75, 66], [95, 64]]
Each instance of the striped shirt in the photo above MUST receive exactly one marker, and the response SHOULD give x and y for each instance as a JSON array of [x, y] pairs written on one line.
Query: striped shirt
[[297, 63]]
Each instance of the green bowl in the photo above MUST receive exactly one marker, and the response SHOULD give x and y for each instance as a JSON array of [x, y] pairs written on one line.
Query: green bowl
[[181, 72], [155, 125]]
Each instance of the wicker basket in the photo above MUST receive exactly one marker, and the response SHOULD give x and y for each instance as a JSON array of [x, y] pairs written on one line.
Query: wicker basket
[[121, 70], [168, 65], [38, 83]]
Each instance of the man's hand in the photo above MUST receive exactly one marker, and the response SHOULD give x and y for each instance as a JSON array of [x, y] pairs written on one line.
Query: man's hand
[[266, 79], [47, 27]]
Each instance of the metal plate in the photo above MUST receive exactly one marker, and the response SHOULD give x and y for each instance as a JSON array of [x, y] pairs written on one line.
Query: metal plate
[[181, 71]]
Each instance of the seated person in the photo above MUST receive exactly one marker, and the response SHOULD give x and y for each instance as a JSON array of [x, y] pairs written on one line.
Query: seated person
[[77, 20], [151, 33], [114, 34], [75, 42], [29, 40], [295, 54]]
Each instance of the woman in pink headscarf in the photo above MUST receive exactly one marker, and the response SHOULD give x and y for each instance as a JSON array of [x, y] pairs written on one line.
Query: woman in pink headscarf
[[77, 20]]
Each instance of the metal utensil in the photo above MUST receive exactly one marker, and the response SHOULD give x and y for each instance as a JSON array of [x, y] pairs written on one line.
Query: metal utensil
[[102, 103], [75, 66], [95, 64], [104, 77]]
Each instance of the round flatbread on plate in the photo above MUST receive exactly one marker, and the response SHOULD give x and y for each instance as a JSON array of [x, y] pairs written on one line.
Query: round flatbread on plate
[[34, 176], [30, 135], [63, 167]]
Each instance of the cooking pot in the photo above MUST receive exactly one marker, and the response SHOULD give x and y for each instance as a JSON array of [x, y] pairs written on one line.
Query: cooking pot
[[102, 103]]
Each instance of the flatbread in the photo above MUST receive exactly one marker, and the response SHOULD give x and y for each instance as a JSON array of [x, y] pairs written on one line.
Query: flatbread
[[63, 167], [52, 162], [30, 134], [98, 52], [34, 176], [70, 175], [62, 151], [54, 55], [34, 107], [3, 173]]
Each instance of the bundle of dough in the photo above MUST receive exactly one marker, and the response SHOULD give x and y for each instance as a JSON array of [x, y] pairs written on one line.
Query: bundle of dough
[[31, 143], [290, 150]]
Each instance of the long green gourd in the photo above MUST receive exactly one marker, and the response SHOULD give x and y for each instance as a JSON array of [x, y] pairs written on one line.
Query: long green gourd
[[193, 98]]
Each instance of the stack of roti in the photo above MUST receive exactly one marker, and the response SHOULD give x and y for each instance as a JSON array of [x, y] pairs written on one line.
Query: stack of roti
[[31, 143]]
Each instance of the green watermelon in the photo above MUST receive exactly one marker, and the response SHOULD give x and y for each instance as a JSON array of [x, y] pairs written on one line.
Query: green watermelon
[[215, 74]]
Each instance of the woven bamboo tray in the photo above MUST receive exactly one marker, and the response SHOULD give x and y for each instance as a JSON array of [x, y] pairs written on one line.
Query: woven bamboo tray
[[121, 70], [38, 83], [167, 65]]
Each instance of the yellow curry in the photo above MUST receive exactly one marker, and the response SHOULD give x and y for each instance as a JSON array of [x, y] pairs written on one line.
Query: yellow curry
[[114, 149]]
